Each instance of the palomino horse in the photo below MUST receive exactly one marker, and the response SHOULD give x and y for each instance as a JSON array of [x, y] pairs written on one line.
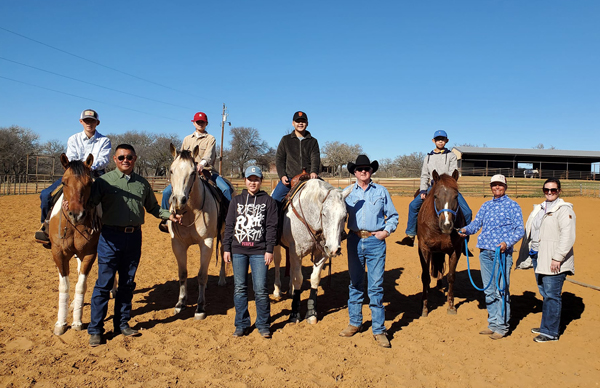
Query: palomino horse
[[437, 236], [193, 199], [72, 232], [313, 223]]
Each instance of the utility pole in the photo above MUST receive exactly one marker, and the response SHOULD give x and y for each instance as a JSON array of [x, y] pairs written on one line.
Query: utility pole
[[222, 135]]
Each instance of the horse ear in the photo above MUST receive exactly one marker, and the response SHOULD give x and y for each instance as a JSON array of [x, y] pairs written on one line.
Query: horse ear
[[89, 161], [346, 192], [64, 160], [195, 152], [173, 150], [435, 175], [455, 174]]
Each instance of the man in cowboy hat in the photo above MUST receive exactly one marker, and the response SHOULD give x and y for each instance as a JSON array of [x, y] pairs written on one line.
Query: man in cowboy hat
[[371, 219]]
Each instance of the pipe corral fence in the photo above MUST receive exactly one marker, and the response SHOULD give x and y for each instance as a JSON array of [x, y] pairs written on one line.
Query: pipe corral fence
[[470, 186]]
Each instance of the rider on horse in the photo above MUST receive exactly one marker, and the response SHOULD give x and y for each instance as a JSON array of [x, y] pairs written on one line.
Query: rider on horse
[[79, 146], [443, 161]]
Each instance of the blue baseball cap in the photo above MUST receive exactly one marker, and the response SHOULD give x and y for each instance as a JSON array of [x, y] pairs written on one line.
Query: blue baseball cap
[[440, 133], [253, 170]]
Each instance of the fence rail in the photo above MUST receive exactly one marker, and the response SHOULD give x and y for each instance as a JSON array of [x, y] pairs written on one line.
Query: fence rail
[[469, 186]]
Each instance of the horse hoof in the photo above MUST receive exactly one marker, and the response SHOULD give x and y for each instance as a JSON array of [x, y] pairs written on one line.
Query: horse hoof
[[311, 320], [77, 326], [199, 316], [113, 294], [60, 330], [452, 311], [294, 318], [179, 309], [425, 313]]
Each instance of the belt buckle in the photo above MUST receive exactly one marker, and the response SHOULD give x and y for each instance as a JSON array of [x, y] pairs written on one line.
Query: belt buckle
[[129, 229], [365, 234]]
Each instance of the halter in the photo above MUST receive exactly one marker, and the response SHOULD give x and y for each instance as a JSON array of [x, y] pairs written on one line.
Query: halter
[[316, 235], [438, 212]]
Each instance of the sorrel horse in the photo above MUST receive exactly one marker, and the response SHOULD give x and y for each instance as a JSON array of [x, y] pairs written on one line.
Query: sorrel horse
[[73, 230], [437, 235], [194, 200], [313, 223]]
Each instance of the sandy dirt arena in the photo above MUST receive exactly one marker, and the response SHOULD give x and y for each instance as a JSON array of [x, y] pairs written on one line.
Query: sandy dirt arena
[[175, 350]]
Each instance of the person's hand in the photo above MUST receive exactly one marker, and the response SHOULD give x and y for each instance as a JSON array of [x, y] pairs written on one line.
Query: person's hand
[[462, 232], [381, 234], [227, 257], [313, 175], [555, 266], [176, 218], [268, 258], [285, 180], [502, 246], [423, 196]]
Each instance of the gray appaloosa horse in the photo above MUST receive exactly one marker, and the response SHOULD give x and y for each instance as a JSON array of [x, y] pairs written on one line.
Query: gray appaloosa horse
[[313, 223]]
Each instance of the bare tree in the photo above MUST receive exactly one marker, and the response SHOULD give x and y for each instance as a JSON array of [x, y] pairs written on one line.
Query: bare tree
[[52, 149], [540, 146], [409, 165], [15, 144], [386, 168], [266, 160], [338, 154], [246, 146], [154, 157]]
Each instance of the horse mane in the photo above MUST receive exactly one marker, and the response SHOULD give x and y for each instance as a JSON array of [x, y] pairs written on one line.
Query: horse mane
[[78, 168], [186, 155], [312, 191]]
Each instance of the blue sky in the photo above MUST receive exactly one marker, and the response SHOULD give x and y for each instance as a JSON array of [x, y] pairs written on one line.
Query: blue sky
[[383, 74]]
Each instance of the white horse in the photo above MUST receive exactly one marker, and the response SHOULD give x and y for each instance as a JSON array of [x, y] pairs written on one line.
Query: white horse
[[313, 223], [200, 209]]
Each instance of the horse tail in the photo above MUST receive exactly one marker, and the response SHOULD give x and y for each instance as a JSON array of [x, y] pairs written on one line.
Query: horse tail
[[438, 264]]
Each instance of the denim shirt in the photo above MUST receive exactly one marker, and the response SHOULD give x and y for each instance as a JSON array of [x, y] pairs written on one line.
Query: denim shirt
[[500, 220], [371, 209]]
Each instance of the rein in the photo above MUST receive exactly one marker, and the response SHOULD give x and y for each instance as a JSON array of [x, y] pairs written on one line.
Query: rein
[[316, 235]]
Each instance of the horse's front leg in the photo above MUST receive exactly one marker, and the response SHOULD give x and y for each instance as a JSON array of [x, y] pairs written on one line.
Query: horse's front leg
[[315, 279], [296, 281], [277, 262], [60, 327], [425, 258], [84, 267], [180, 251], [451, 277], [206, 250]]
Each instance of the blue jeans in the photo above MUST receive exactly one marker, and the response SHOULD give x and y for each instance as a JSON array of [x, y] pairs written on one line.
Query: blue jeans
[[280, 191], [550, 287], [118, 252], [45, 198], [493, 301], [415, 206], [366, 253], [221, 184], [241, 262]]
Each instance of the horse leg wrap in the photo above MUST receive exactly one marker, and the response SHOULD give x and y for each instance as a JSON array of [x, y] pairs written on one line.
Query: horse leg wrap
[[296, 301], [312, 304], [77, 309], [63, 308]]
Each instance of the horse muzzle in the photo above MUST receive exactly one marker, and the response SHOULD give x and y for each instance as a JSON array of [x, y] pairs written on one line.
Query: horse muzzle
[[77, 217]]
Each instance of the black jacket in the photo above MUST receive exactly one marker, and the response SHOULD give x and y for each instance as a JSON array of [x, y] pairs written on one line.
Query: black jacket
[[251, 224], [294, 154]]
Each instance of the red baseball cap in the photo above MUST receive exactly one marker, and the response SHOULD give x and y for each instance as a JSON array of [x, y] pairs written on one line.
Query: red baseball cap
[[200, 116]]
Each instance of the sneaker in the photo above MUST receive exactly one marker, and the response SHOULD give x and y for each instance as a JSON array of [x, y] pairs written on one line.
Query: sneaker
[[408, 241], [525, 264], [382, 340], [163, 227], [95, 340], [350, 331], [536, 330], [543, 338]]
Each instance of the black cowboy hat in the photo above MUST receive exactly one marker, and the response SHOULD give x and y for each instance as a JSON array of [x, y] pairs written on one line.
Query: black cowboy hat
[[363, 160]]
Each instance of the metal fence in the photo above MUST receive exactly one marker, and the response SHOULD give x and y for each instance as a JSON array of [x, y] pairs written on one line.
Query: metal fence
[[469, 186]]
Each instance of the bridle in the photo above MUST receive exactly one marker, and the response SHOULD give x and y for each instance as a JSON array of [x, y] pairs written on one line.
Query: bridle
[[316, 235], [438, 212]]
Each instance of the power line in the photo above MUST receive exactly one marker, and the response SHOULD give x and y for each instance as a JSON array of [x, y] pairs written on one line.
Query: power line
[[102, 65], [93, 84], [89, 99]]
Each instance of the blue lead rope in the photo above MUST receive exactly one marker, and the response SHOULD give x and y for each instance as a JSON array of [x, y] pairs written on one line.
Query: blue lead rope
[[500, 258]]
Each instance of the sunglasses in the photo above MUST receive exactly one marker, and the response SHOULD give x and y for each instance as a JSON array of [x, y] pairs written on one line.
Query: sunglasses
[[367, 168], [552, 190], [123, 157], [200, 122]]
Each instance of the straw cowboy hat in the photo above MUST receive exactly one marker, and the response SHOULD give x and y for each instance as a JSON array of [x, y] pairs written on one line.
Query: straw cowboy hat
[[363, 160]]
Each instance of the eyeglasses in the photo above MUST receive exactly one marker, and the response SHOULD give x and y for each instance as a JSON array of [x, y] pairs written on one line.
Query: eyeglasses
[[362, 168], [123, 157], [551, 191]]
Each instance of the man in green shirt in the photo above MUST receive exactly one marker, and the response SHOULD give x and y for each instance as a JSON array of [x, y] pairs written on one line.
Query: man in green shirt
[[125, 196]]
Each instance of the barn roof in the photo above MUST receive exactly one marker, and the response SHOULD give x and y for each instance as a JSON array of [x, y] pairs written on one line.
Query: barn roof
[[526, 152]]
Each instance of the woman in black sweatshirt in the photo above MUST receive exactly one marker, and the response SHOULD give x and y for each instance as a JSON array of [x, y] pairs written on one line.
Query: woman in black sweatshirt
[[250, 236]]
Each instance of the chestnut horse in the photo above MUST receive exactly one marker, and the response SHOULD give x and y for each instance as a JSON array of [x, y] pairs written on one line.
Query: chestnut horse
[[437, 235], [73, 230]]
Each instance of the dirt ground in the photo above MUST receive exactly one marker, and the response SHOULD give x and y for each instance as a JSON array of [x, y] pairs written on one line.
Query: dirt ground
[[438, 351]]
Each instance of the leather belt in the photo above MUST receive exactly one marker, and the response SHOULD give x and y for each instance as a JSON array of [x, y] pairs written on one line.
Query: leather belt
[[363, 233], [123, 229]]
